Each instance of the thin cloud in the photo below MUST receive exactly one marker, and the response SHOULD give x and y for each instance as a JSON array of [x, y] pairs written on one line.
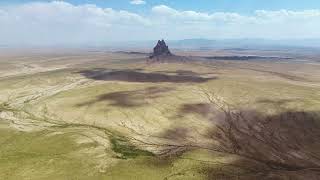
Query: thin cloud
[[137, 2], [63, 22]]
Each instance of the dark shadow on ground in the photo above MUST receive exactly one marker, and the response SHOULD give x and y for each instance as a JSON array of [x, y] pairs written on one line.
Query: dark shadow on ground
[[129, 99], [175, 134], [203, 109], [285, 142], [277, 103], [128, 75], [245, 169], [279, 146], [169, 154], [185, 73]]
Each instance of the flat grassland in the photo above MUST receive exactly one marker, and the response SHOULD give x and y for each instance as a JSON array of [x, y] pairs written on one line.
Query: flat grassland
[[82, 114]]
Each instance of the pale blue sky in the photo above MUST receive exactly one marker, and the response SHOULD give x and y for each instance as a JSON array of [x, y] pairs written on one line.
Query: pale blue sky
[[105, 21], [240, 6]]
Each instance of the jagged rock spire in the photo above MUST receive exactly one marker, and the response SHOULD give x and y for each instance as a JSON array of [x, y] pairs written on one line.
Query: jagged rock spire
[[161, 49]]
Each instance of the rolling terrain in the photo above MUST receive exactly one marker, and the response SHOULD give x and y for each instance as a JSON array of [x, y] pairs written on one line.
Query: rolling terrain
[[83, 114]]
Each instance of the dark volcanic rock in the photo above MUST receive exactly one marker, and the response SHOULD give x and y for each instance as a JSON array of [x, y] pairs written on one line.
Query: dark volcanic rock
[[162, 54], [160, 50]]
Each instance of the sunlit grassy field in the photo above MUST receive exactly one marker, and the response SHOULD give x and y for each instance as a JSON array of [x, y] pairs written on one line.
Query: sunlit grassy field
[[101, 115]]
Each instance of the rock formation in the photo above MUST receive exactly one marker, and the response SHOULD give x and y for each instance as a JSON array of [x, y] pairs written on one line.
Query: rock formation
[[160, 50]]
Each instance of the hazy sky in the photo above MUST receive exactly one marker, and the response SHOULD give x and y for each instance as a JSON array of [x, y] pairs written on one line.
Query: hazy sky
[[106, 21]]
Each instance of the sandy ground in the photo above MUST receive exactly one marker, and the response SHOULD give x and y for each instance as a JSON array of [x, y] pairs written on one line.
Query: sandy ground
[[113, 110]]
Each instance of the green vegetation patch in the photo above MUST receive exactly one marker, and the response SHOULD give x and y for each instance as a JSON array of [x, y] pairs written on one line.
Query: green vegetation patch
[[42, 155], [126, 150]]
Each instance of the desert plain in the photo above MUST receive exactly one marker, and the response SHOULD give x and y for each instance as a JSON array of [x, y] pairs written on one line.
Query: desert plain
[[219, 114]]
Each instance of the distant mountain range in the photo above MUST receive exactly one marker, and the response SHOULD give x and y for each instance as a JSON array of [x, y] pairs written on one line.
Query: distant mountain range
[[236, 44], [199, 44], [245, 43]]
